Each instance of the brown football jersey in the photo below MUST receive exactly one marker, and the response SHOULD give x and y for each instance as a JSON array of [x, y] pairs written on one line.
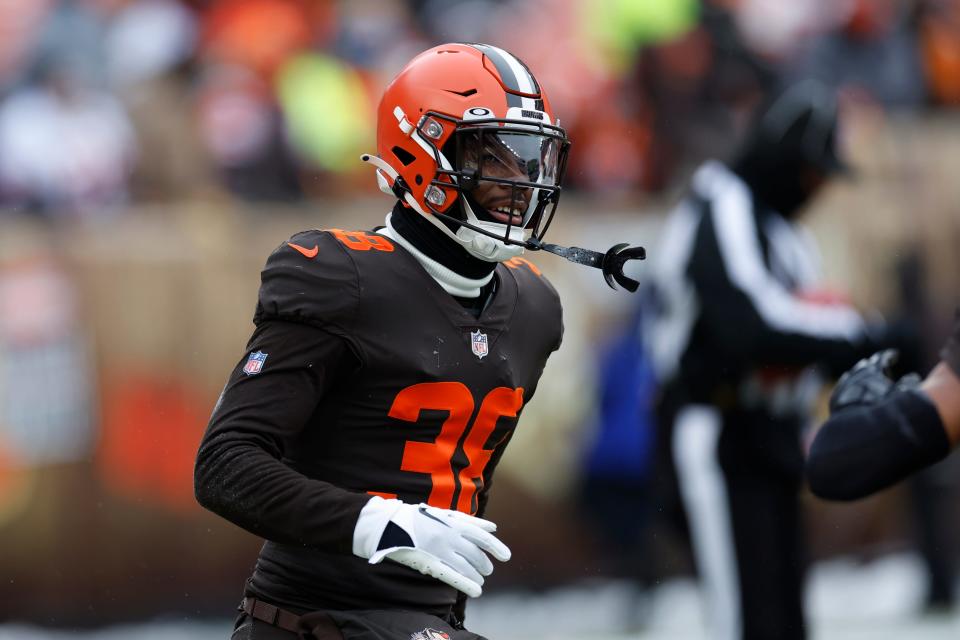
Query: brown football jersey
[[364, 377]]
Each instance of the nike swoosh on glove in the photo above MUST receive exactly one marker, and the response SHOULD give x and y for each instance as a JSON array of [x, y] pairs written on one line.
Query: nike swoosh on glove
[[447, 545]]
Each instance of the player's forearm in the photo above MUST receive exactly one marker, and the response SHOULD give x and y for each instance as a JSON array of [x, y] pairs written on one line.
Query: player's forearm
[[860, 451], [942, 386], [238, 473], [244, 484]]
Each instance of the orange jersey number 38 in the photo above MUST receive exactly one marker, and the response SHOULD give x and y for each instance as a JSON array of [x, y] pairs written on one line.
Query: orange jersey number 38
[[435, 458]]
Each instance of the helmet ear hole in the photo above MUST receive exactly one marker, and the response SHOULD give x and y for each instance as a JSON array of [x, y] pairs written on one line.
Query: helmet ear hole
[[418, 179], [404, 156]]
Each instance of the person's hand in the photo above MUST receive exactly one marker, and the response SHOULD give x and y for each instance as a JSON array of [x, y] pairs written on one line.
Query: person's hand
[[869, 382], [447, 545]]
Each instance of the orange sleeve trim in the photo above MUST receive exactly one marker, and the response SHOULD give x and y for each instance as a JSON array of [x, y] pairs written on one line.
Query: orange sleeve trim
[[516, 263]]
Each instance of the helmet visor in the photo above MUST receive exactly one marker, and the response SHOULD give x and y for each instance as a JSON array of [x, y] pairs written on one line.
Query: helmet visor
[[516, 157]]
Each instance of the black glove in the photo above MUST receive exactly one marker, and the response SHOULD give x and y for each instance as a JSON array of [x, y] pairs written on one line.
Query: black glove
[[869, 382]]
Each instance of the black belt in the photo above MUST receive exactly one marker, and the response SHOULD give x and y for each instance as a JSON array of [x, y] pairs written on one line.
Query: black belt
[[271, 614]]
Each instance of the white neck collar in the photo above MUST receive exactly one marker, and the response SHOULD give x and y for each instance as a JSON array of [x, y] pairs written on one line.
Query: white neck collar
[[451, 281]]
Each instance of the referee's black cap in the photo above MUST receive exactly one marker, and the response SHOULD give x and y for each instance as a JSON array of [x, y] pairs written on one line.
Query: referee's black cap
[[799, 126]]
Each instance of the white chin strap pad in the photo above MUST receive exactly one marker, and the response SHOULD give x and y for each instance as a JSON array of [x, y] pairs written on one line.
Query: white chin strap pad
[[483, 246], [487, 248]]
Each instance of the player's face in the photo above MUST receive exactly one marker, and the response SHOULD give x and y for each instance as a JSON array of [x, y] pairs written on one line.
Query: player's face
[[503, 202]]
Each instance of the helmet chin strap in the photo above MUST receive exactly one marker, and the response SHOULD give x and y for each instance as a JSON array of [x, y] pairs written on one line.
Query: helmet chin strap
[[477, 244]]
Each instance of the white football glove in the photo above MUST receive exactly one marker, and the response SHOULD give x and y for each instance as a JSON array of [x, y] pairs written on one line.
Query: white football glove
[[447, 545]]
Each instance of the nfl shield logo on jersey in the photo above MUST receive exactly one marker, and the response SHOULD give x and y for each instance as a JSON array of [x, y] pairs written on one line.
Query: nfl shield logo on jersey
[[254, 363], [478, 342]]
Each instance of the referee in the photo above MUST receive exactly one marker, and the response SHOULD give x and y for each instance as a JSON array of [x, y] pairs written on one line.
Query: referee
[[735, 327]]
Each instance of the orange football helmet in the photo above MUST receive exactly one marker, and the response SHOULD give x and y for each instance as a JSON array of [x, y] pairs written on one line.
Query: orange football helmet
[[461, 116]]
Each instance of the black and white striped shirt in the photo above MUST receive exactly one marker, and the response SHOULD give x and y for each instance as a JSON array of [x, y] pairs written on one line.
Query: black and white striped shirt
[[729, 286]]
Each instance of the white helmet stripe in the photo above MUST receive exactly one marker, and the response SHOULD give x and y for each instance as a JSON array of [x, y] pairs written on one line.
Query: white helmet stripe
[[523, 79], [514, 74]]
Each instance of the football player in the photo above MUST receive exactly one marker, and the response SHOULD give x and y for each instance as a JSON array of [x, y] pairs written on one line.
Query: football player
[[881, 430], [360, 431]]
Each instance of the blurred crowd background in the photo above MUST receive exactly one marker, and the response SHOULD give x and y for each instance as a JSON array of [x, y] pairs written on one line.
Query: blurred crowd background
[[272, 100], [153, 152]]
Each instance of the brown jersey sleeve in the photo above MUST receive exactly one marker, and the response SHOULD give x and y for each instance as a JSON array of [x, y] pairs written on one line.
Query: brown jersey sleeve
[[269, 399], [951, 351], [310, 279]]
